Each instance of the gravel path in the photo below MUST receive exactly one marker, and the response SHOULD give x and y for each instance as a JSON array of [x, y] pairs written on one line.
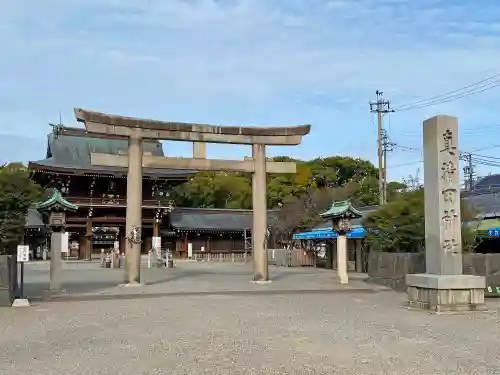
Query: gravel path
[[301, 333]]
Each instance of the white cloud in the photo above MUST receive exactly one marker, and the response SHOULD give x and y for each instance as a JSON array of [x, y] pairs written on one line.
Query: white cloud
[[313, 61]]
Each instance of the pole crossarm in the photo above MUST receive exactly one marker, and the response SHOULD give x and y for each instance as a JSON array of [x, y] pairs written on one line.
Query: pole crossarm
[[159, 162], [112, 125]]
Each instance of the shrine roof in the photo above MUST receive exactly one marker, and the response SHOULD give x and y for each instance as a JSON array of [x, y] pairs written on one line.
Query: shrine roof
[[56, 202], [213, 219], [486, 204], [365, 211], [339, 208], [488, 183], [66, 153]]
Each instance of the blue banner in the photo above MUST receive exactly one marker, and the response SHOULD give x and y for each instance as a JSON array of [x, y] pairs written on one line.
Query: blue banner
[[494, 232], [358, 232]]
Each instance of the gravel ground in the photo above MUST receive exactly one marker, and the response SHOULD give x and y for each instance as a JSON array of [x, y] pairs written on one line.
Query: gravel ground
[[240, 333]]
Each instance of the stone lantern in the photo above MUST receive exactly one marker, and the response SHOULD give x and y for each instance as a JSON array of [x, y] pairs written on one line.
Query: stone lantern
[[341, 213], [56, 207]]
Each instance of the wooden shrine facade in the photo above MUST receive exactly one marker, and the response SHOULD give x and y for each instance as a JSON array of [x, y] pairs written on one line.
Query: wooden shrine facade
[[100, 194]]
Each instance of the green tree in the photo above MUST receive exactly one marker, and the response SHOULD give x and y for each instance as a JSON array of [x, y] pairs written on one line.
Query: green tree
[[17, 193], [399, 226], [215, 190], [233, 190]]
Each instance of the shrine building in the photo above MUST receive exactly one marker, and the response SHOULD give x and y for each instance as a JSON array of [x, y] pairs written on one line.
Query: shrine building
[[100, 194]]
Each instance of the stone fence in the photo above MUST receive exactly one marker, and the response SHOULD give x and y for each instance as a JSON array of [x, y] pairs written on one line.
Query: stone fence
[[390, 269], [8, 279]]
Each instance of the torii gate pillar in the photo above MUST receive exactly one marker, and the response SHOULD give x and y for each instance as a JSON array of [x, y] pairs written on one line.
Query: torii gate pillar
[[134, 212], [259, 198]]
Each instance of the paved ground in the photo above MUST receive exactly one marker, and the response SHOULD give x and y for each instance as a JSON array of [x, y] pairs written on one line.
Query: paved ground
[[207, 319], [88, 281]]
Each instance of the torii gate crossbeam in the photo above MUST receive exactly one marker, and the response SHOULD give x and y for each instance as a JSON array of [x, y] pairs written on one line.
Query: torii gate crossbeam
[[138, 129]]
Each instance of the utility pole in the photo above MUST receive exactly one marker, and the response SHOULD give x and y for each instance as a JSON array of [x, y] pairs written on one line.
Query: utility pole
[[387, 146], [380, 107], [469, 173]]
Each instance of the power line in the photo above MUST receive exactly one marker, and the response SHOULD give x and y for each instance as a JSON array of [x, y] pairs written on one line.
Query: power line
[[381, 107], [465, 91], [452, 98], [406, 164], [418, 102]]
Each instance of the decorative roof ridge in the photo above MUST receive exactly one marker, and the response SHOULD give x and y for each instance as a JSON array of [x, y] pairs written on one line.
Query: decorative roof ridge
[[56, 202], [338, 208]]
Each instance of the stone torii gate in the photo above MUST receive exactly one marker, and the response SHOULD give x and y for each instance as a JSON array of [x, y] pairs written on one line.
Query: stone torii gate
[[136, 130]]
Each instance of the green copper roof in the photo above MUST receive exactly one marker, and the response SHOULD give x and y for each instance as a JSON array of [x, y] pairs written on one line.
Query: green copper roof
[[340, 209], [71, 152], [55, 203]]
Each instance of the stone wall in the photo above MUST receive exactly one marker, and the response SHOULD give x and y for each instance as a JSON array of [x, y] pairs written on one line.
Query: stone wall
[[487, 265], [390, 269], [8, 277]]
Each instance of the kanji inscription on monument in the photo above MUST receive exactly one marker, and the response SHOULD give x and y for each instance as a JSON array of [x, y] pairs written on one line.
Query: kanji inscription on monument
[[442, 198], [449, 142], [449, 195]]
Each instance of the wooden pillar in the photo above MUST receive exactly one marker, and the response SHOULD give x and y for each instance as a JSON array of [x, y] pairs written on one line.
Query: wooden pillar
[[359, 261], [88, 235], [156, 228], [148, 242], [122, 240], [329, 255], [82, 245]]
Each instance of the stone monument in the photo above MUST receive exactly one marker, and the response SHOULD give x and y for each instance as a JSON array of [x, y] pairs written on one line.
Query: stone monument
[[443, 288]]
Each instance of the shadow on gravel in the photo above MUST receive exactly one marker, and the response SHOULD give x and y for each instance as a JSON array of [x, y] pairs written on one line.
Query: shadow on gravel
[[130, 296]]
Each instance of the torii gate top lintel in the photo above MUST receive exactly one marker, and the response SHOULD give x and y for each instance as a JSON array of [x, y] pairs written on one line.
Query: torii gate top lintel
[[106, 124]]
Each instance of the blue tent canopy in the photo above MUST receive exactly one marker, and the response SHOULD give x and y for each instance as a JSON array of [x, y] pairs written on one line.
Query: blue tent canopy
[[494, 232], [324, 233]]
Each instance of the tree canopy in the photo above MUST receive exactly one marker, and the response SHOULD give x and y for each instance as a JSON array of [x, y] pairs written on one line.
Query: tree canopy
[[17, 193], [234, 190], [299, 197], [399, 226]]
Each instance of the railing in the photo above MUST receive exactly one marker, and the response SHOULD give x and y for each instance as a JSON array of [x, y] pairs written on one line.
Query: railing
[[222, 257], [112, 201]]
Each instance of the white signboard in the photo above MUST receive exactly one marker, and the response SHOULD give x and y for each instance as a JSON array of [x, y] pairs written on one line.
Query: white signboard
[[156, 243], [65, 242], [190, 250], [23, 253], [116, 245]]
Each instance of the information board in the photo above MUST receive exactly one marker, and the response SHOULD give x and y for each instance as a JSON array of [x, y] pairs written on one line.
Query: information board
[[23, 253], [65, 242]]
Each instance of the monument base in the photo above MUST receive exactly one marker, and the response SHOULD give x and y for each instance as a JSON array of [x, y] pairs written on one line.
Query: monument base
[[446, 293], [21, 302], [261, 282]]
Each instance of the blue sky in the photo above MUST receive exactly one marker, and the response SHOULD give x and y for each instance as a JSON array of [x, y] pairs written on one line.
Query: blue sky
[[250, 62]]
